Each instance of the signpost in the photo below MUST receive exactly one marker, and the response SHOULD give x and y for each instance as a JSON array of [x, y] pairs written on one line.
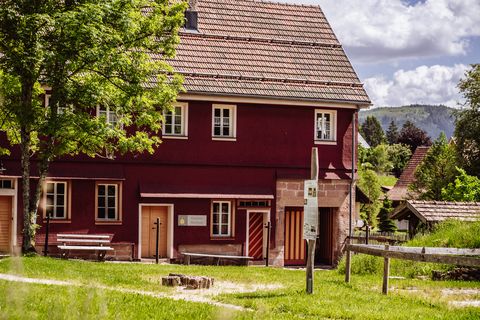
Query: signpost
[[310, 217]]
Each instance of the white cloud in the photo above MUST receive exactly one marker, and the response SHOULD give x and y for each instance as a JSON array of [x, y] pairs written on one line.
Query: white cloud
[[386, 30], [425, 85]]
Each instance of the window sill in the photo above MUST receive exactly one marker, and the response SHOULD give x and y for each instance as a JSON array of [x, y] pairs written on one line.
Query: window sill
[[107, 222], [224, 139], [327, 142], [57, 220], [173, 137]]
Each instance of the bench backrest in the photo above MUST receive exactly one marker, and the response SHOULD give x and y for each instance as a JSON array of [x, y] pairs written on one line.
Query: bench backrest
[[83, 238]]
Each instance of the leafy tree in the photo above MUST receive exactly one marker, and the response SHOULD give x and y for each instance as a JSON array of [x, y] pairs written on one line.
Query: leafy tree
[[467, 124], [436, 171], [385, 224], [368, 182], [392, 133], [464, 188], [378, 157], [372, 131], [89, 53], [413, 136], [398, 155]]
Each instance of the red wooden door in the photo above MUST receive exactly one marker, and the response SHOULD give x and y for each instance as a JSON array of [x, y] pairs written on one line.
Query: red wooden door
[[294, 242], [255, 235]]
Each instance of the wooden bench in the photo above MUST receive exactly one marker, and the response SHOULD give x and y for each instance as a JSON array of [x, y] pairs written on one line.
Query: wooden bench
[[216, 257], [84, 242]]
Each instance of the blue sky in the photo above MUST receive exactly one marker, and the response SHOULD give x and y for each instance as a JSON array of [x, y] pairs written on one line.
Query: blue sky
[[407, 51]]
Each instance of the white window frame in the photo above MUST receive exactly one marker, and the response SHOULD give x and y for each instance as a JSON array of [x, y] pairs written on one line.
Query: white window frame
[[4, 181], [333, 127], [109, 115], [232, 122], [60, 110], [184, 122], [55, 198], [220, 223], [117, 202]]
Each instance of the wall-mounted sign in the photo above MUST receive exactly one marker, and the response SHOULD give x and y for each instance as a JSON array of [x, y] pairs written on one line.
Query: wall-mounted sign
[[310, 221], [192, 220]]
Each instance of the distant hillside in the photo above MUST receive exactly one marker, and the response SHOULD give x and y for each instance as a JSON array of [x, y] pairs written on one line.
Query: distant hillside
[[432, 119]]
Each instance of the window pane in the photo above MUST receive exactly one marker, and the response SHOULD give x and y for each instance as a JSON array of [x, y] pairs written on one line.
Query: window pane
[[215, 229], [60, 200], [60, 188], [216, 131], [111, 190], [111, 202], [178, 119], [111, 213], [101, 213], [178, 129], [101, 190], [215, 218], [101, 202], [226, 131], [60, 212], [226, 113], [178, 110], [50, 199], [217, 112], [50, 187], [168, 129], [216, 207], [225, 218], [225, 229], [225, 207]]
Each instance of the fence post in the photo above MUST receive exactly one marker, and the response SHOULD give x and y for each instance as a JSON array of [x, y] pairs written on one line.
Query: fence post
[[157, 239], [348, 263], [268, 226], [386, 271]]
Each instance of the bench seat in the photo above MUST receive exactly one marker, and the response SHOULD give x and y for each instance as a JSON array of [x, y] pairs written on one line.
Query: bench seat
[[84, 242], [85, 248]]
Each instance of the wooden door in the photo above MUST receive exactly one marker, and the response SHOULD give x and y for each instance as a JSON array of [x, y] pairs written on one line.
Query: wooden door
[[255, 235], [294, 242], [5, 223], [324, 245], [149, 232]]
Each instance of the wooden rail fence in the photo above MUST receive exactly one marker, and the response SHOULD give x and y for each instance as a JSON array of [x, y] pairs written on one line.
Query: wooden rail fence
[[455, 256]]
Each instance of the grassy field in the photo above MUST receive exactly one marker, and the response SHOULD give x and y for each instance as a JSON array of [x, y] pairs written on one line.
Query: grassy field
[[108, 291], [388, 181]]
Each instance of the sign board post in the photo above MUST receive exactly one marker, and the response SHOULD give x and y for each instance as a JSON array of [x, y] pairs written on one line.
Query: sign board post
[[310, 217]]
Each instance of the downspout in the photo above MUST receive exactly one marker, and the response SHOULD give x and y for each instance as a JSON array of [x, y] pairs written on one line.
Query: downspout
[[352, 181]]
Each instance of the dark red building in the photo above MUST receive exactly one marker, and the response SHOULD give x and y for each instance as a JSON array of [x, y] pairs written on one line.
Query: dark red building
[[265, 83]]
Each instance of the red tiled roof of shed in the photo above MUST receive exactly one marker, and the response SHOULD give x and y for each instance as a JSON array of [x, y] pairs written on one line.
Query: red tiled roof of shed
[[400, 190], [266, 49]]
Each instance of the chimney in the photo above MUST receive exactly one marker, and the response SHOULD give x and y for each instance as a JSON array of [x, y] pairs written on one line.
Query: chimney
[[191, 16]]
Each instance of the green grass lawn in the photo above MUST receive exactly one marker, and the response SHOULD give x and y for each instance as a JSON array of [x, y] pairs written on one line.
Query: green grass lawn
[[387, 180], [94, 294]]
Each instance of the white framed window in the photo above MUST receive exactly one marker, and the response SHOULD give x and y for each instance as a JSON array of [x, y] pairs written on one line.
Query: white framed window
[[221, 218], [56, 199], [60, 110], [108, 201], [176, 121], [224, 121], [6, 184], [325, 125], [110, 115]]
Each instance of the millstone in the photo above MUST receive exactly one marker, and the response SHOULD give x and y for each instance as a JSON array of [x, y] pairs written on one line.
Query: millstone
[[190, 282]]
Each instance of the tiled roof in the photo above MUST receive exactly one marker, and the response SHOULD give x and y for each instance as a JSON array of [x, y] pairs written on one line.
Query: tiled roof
[[256, 48], [400, 190], [436, 211]]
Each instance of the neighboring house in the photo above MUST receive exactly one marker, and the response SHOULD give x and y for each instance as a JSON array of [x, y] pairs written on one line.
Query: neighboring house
[[265, 82], [427, 213]]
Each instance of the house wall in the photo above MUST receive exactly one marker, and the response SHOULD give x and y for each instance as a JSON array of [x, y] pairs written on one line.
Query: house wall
[[271, 152]]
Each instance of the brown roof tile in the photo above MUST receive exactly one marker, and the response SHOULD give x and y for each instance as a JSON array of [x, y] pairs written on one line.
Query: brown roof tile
[[257, 48], [400, 190], [436, 211]]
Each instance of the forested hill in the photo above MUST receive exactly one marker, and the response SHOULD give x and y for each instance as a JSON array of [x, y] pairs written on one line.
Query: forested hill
[[432, 119]]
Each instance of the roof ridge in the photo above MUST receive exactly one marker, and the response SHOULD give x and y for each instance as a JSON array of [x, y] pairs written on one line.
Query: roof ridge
[[275, 3], [272, 79], [260, 39]]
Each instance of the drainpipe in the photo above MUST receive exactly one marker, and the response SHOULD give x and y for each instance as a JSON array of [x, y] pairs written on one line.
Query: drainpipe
[[352, 180]]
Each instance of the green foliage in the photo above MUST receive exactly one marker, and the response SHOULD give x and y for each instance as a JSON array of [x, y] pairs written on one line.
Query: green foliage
[[464, 188], [372, 131], [368, 182], [109, 54], [392, 133], [385, 224], [467, 124], [413, 136], [436, 171], [398, 155], [387, 180]]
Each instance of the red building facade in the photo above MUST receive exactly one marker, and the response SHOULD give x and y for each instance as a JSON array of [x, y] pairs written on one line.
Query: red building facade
[[262, 90]]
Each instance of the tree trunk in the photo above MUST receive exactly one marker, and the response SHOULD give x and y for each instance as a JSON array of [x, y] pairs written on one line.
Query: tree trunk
[[29, 225]]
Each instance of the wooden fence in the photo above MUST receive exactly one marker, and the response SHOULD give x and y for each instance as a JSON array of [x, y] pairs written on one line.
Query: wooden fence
[[455, 256]]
